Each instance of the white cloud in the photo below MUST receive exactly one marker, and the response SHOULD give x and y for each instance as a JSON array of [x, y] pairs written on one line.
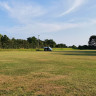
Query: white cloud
[[27, 12], [5, 5], [42, 27], [23, 12], [39, 28], [36, 28], [93, 21], [27, 30], [76, 5]]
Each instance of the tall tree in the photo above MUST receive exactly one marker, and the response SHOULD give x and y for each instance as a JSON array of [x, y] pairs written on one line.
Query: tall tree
[[33, 41], [5, 41], [92, 41]]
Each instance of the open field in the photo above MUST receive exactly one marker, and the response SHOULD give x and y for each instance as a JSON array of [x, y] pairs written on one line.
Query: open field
[[57, 73]]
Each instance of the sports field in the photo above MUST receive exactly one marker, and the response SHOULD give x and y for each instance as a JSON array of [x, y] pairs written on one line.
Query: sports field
[[57, 73]]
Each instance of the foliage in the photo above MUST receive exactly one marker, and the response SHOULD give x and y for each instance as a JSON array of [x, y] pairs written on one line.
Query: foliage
[[31, 42], [61, 46], [83, 47], [91, 43], [50, 43]]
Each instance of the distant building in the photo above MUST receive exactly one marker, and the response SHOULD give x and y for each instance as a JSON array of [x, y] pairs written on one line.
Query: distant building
[[47, 49]]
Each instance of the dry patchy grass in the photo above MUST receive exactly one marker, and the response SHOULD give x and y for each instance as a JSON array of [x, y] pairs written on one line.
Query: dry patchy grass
[[67, 73], [39, 83]]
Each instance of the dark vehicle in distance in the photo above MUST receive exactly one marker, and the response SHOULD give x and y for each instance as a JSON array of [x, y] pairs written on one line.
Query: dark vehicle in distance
[[47, 49]]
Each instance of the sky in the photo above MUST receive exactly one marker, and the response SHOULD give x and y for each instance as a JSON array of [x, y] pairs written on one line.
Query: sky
[[71, 22]]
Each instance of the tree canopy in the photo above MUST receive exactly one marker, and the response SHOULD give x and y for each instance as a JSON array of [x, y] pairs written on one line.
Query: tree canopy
[[31, 42], [92, 41]]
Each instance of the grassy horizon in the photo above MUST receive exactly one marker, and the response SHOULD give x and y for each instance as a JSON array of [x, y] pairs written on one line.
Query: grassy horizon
[[54, 49], [41, 49]]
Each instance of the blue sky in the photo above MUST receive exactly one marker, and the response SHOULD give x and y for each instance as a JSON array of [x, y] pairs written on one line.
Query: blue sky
[[66, 21]]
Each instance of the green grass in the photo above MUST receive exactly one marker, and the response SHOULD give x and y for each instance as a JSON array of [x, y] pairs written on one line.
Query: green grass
[[64, 49], [21, 49], [58, 73]]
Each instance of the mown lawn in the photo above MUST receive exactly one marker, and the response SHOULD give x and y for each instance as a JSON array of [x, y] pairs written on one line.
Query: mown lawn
[[57, 73]]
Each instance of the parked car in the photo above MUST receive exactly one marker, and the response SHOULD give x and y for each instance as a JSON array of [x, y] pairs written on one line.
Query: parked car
[[47, 49]]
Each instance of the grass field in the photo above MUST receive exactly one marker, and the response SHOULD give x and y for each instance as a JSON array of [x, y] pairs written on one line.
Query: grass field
[[57, 73]]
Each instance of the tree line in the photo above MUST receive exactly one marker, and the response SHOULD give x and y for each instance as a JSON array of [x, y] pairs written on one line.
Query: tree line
[[31, 42], [91, 43]]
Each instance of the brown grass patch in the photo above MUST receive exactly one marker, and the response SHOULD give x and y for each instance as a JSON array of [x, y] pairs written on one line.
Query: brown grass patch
[[37, 82], [4, 78]]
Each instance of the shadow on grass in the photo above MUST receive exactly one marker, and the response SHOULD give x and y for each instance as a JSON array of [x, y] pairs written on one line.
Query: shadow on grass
[[77, 53]]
